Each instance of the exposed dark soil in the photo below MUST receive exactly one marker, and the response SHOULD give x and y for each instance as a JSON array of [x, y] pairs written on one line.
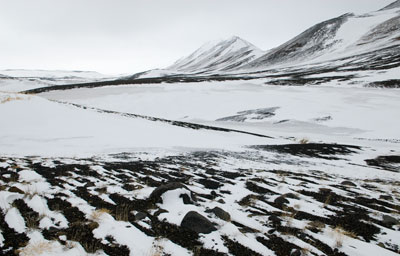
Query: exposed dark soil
[[394, 83], [317, 150], [389, 163]]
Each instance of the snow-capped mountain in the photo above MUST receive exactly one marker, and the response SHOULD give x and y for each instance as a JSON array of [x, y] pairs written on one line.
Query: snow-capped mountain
[[309, 43], [223, 55], [392, 5], [345, 36], [345, 40]]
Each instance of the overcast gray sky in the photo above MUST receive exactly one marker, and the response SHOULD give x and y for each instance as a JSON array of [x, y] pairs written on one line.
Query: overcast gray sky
[[128, 36]]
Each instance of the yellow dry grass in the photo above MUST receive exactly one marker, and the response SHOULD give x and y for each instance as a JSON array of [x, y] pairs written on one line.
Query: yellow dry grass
[[39, 248]]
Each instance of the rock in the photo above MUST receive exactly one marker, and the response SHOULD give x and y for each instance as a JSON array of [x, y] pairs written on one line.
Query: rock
[[386, 197], [325, 190], [221, 201], [197, 223], [159, 211], [295, 252], [389, 220], [210, 184], [280, 201], [348, 183], [140, 216], [186, 199], [271, 231], [223, 215], [291, 195], [155, 196], [274, 219], [16, 190]]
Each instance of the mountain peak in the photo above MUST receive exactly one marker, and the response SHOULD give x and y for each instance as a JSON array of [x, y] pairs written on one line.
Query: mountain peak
[[236, 41], [393, 5], [219, 55]]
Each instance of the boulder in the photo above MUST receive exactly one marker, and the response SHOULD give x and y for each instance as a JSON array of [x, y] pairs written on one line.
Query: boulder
[[280, 201], [155, 196], [386, 197], [186, 199], [348, 183], [223, 215], [295, 252], [140, 216], [389, 220], [197, 223]]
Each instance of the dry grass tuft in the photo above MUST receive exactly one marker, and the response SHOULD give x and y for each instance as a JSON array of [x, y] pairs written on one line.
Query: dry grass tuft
[[304, 141], [122, 212], [305, 251], [327, 200], [312, 225], [9, 98], [36, 249], [96, 215], [340, 234], [157, 248]]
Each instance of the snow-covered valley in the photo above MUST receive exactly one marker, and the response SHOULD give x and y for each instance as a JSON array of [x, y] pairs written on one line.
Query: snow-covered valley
[[230, 151]]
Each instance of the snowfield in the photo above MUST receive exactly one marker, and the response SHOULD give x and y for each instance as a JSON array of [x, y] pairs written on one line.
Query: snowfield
[[220, 168], [310, 111], [32, 125]]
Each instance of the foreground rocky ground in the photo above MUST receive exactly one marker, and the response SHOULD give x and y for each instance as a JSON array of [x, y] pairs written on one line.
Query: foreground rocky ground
[[298, 199]]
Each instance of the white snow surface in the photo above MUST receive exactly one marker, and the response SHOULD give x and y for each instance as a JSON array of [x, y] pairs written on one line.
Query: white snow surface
[[353, 112], [51, 73], [32, 125]]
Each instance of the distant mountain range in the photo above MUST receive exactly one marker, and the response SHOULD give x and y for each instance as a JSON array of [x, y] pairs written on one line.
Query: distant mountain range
[[356, 49], [347, 39]]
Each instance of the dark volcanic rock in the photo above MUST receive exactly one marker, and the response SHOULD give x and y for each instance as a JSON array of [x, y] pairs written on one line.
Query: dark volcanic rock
[[155, 196], [317, 150], [295, 252], [348, 183], [16, 190], [223, 215], [291, 195], [197, 223], [389, 163], [186, 199], [210, 184], [386, 197], [389, 220], [140, 216], [280, 202], [274, 219]]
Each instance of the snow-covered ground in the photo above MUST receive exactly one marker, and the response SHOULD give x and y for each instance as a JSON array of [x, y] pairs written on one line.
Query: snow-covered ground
[[315, 112], [17, 80], [118, 170], [237, 167], [31, 125]]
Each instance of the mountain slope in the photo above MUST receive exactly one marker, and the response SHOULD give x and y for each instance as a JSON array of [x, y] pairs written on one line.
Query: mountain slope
[[228, 54], [392, 5], [312, 41], [341, 37], [349, 38]]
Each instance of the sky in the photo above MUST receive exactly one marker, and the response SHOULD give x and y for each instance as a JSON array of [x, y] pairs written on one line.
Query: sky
[[129, 36]]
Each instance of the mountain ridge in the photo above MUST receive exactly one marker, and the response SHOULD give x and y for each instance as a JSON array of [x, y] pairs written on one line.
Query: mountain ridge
[[395, 4], [340, 38], [222, 55]]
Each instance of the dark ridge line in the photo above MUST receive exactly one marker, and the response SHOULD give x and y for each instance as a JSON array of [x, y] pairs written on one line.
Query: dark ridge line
[[171, 122], [354, 63], [152, 80]]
